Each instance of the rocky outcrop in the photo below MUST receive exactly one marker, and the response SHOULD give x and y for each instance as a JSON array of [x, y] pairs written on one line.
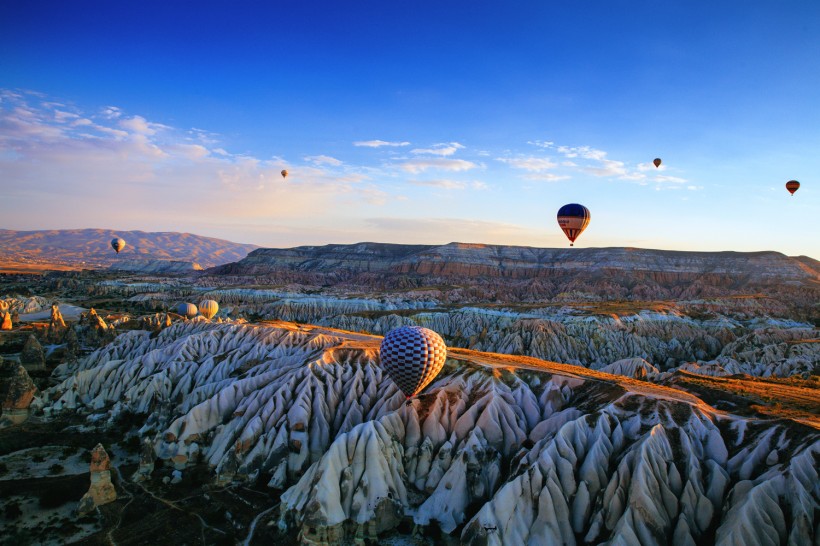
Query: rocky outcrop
[[102, 490], [5, 321], [631, 367], [17, 391], [146, 465], [33, 358], [499, 449], [56, 325], [166, 267]]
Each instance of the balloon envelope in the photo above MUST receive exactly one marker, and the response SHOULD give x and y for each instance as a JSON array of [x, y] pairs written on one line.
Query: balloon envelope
[[284, 173], [657, 162], [412, 356], [793, 186], [573, 219], [117, 244], [188, 310], [208, 308]]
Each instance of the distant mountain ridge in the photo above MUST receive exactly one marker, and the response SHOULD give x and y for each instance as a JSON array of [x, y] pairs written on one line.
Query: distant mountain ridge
[[91, 247], [480, 260]]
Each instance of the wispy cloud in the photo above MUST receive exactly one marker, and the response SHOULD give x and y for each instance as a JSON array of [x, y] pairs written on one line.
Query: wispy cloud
[[323, 160], [532, 164], [416, 166], [379, 143], [444, 184], [546, 177], [445, 149]]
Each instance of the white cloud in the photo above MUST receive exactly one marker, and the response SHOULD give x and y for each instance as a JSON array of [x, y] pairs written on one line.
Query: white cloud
[[541, 143], [416, 166], [111, 112], [379, 143], [440, 183], [532, 164], [585, 152], [444, 149], [140, 125], [323, 160], [545, 177]]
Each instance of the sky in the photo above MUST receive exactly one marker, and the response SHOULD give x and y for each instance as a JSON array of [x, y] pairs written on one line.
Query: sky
[[416, 122]]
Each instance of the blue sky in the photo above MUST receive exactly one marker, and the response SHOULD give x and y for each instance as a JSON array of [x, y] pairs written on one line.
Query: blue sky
[[423, 122]]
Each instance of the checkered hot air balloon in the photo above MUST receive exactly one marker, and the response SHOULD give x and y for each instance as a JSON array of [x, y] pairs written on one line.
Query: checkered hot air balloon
[[117, 244], [187, 310], [208, 308], [573, 219], [412, 356]]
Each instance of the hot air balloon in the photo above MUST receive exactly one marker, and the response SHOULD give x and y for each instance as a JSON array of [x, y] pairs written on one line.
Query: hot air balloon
[[208, 308], [792, 186], [657, 162], [117, 244], [187, 310], [284, 173], [412, 356], [573, 219]]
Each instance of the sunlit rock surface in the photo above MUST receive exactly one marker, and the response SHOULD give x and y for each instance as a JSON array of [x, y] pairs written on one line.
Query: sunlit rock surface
[[17, 391], [102, 490], [500, 449]]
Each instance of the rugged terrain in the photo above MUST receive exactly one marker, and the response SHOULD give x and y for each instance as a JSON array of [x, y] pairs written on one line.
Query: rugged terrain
[[499, 449], [587, 406]]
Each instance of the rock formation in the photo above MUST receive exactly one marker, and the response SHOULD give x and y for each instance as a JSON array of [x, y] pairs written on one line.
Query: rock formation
[[17, 391], [500, 449], [146, 466], [56, 325], [102, 490], [32, 356], [5, 323]]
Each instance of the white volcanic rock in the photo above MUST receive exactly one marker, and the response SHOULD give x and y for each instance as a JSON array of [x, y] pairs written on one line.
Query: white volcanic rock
[[631, 367], [23, 304], [494, 452]]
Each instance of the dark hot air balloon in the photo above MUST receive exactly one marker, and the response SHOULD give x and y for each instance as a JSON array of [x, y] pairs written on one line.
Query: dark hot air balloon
[[187, 310], [117, 244], [284, 173], [793, 186], [208, 308], [657, 162], [573, 219], [412, 356]]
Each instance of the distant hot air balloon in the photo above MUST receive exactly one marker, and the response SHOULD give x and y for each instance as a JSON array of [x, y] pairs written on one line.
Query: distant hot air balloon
[[412, 356], [117, 244], [573, 219], [284, 173], [793, 186], [657, 162], [208, 308], [187, 310]]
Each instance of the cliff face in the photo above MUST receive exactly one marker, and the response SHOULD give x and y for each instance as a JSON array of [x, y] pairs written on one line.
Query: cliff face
[[478, 260]]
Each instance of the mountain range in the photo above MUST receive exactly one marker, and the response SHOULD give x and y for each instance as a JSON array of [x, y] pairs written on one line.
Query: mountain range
[[90, 248]]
